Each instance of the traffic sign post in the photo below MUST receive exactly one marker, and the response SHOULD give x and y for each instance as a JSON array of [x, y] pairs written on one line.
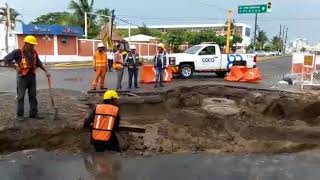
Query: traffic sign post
[[255, 9]]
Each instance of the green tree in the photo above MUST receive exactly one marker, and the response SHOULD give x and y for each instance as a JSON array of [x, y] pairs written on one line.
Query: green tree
[[174, 39], [276, 43], [102, 20], [79, 8], [14, 16], [56, 18], [303, 49], [262, 38]]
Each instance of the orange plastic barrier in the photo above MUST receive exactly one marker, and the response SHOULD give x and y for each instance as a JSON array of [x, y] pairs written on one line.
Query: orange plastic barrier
[[252, 75], [148, 74], [243, 74], [236, 73]]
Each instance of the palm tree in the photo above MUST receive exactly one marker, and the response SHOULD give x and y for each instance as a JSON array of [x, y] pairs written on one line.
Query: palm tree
[[80, 7], [14, 16], [262, 38], [102, 19]]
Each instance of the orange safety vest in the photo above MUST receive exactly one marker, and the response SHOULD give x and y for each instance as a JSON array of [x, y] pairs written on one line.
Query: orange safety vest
[[117, 64], [100, 60], [24, 65], [104, 121]]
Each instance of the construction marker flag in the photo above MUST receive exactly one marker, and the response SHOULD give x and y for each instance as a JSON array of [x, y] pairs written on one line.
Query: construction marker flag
[[107, 41]]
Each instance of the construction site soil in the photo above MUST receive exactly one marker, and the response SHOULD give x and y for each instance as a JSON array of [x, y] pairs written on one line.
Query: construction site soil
[[211, 119]]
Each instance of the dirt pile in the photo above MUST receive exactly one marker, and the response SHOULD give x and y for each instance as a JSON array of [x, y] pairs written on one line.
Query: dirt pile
[[213, 119]]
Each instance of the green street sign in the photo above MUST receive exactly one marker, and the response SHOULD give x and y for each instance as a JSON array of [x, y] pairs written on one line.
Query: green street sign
[[253, 9]]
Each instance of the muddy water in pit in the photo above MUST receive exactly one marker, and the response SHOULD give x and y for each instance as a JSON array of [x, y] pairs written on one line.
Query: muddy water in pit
[[209, 119], [39, 165]]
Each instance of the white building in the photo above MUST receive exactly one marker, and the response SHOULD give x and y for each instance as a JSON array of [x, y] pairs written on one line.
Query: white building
[[241, 29]]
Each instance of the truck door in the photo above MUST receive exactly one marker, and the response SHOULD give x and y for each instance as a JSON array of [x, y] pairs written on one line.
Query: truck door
[[208, 59]]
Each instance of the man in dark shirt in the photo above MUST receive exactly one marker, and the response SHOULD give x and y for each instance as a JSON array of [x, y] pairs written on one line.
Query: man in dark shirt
[[133, 63], [160, 64], [25, 61]]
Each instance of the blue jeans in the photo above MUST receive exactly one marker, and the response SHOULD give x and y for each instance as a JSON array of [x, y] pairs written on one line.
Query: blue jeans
[[159, 75], [25, 83], [133, 73]]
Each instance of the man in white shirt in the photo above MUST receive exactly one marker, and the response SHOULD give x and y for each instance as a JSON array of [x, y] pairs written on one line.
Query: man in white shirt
[[110, 56]]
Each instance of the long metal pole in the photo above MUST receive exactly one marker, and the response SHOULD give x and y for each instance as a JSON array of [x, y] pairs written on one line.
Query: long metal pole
[[8, 29], [86, 24], [228, 32], [129, 32], [255, 31]]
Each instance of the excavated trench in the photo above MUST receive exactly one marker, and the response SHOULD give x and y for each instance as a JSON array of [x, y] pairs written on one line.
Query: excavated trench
[[212, 119]]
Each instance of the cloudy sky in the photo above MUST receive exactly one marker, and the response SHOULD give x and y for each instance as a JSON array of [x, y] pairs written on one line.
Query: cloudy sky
[[301, 17]]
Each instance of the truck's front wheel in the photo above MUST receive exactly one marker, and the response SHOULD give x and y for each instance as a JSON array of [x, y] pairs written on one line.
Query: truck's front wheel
[[186, 71]]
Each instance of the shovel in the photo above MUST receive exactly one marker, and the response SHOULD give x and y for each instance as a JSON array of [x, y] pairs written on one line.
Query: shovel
[[52, 101]]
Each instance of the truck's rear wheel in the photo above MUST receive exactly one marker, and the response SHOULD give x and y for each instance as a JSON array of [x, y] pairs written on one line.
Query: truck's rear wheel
[[221, 73], [186, 71]]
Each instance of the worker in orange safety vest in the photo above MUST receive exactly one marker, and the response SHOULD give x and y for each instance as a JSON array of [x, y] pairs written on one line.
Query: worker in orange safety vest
[[26, 61], [104, 121], [100, 65]]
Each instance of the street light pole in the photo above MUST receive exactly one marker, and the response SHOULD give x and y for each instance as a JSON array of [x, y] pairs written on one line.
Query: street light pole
[[228, 32], [8, 27], [255, 31], [86, 24]]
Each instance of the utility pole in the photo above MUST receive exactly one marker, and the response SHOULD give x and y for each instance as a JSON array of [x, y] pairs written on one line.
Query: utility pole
[[285, 41], [129, 31], [283, 36], [228, 32], [111, 23], [86, 25], [255, 31], [8, 27]]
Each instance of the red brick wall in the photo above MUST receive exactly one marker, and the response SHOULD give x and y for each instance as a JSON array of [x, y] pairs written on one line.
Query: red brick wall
[[42, 48], [85, 48], [143, 49], [68, 48]]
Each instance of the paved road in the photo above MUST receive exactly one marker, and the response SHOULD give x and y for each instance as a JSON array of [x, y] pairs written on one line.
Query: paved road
[[40, 165], [80, 79]]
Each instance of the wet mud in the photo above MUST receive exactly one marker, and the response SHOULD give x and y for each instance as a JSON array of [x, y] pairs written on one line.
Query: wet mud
[[212, 119]]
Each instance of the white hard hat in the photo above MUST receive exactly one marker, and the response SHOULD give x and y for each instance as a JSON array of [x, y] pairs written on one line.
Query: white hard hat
[[133, 46], [101, 45]]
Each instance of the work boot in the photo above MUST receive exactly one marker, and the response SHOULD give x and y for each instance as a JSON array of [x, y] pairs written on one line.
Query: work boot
[[161, 85], [137, 87], [36, 117], [156, 86]]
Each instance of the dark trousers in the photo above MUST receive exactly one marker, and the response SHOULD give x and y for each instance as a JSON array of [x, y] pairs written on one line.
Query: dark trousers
[[133, 73], [25, 83], [110, 63], [111, 145], [159, 75]]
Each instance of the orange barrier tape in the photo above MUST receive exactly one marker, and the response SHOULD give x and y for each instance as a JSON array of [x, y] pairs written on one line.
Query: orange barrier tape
[[148, 74]]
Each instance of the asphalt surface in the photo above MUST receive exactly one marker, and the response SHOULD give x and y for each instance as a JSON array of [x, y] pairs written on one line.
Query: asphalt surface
[[39, 165], [80, 79]]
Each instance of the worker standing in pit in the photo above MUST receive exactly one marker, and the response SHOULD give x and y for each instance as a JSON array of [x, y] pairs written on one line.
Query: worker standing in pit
[[118, 66], [100, 66], [133, 63], [104, 121], [26, 63], [160, 64]]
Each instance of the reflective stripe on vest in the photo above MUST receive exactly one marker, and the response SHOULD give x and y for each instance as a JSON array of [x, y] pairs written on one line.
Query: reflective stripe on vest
[[117, 63], [104, 121], [25, 66], [100, 59]]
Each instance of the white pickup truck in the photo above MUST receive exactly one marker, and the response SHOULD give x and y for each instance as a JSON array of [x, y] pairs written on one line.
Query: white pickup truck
[[207, 58]]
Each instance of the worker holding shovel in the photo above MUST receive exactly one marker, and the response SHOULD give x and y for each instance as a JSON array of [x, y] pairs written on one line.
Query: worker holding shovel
[[26, 63]]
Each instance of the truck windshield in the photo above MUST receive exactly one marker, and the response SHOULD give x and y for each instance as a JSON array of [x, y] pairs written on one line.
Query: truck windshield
[[193, 49]]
